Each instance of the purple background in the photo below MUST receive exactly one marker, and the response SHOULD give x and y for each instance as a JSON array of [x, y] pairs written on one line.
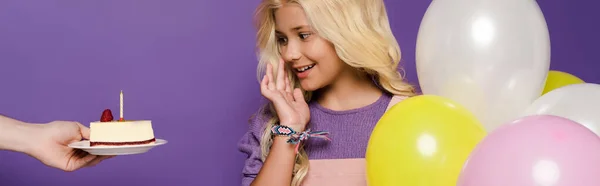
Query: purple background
[[187, 65]]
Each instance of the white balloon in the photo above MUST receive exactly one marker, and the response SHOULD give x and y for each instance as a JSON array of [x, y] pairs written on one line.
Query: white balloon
[[577, 102], [491, 56]]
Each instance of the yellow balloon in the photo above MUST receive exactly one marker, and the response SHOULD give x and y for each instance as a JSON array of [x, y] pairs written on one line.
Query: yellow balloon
[[422, 141], [557, 79]]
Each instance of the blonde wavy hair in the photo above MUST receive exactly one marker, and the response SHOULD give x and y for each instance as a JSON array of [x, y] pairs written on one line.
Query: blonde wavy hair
[[360, 32]]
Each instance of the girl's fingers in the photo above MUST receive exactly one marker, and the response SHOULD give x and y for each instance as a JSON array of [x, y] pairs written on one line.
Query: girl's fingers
[[270, 84], [264, 85], [280, 75], [298, 96], [288, 87], [289, 96]]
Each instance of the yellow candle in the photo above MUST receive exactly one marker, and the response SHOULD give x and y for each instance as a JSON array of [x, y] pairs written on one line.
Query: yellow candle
[[121, 106]]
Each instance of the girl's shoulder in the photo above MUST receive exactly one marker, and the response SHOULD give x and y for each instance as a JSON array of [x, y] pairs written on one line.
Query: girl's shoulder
[[395, 99]]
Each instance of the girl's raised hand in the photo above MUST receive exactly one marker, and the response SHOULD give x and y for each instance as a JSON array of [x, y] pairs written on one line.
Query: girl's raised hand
[[289, 104]]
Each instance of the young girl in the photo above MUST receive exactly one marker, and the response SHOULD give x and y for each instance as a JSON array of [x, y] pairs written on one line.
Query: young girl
[[331, 68]]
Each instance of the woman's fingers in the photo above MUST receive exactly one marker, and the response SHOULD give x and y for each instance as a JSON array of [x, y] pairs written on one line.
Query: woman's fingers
[[97, 160], [281, 75]]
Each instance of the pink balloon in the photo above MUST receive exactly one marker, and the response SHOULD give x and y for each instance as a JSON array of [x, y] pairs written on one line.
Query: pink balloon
[[537, 150]]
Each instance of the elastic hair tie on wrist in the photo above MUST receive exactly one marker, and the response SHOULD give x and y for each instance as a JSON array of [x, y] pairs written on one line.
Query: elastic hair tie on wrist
[[295, 137]]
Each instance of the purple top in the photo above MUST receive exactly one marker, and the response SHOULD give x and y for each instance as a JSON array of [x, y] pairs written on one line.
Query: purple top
[[349, 132]]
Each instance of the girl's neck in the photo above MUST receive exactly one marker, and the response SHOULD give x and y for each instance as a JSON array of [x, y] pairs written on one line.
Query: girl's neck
[[349, 91]]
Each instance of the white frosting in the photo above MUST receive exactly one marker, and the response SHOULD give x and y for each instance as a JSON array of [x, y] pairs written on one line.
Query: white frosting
[[121, 131]]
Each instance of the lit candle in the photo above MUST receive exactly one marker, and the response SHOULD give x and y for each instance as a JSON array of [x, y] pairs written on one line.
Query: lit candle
[[121, 107]]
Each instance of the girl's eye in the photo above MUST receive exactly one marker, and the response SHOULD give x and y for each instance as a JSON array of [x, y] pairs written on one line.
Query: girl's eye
[[281, 40], [304, 36]]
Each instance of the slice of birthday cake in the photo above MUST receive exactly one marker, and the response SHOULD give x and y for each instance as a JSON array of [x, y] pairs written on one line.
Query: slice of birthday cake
[[109, 132]]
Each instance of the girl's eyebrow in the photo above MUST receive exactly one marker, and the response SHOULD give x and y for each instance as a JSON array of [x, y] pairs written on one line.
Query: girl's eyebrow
[[295, 28]]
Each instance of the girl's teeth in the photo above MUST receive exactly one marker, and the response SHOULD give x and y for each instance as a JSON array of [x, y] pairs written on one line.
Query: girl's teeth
[[304, 68]]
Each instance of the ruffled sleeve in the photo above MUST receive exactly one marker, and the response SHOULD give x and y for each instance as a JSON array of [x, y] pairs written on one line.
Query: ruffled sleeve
[[249, 144]]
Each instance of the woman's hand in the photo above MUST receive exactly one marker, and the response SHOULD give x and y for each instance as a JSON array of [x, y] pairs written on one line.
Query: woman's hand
[[48, 143], [291, 107]]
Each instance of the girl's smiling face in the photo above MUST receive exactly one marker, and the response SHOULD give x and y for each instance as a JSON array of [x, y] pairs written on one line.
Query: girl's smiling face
[[312, 59]]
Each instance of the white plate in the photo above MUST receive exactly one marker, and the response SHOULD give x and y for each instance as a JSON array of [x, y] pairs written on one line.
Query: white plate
[[116, 150]]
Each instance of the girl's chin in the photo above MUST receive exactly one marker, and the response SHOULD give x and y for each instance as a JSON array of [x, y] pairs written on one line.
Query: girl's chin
[[308, 85]]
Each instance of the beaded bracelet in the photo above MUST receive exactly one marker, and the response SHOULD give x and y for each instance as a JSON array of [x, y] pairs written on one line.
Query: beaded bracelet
[[295, 137]]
